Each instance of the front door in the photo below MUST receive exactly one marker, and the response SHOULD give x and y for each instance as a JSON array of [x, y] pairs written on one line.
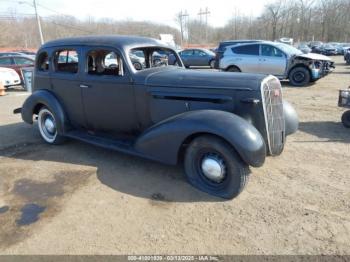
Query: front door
[[107, 92], [272, 61]]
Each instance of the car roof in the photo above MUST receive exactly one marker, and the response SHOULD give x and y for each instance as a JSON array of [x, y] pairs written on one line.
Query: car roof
[[109, 40], [254, 43]]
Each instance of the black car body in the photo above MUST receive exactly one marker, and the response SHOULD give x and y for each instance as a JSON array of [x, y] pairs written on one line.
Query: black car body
[[219, 124], [222, 47], [347, 56], [344, 101]]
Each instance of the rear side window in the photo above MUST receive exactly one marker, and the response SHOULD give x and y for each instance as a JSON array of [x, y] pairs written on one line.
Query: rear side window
[[187, 52], [66, 61], [268, 50], [104, 62], [246, 50], [23, 61], [5, 61], [43, 62]]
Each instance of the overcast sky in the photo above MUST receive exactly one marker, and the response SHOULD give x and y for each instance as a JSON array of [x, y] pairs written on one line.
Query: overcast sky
[[161, 11]]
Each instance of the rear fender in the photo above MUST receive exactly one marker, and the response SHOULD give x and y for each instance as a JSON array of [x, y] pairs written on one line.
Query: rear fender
[[164, 140], [45, 98]]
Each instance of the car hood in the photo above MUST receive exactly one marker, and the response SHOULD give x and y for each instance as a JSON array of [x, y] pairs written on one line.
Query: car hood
[[314, 56], [187, 78]]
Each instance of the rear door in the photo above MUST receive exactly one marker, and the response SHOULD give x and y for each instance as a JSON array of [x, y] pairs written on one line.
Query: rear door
[[200, 58], [187, 57], [272, 60], [246, 57], [65, 82]]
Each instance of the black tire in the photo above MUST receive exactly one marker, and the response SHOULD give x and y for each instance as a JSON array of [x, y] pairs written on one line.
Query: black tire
[[236, 172], [49, 136], [348, 61], [299, 76], [345, 119], [233, 69], [212, 64]]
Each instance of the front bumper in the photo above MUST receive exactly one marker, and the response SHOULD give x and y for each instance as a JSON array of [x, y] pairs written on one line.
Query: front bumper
[[8, 83]]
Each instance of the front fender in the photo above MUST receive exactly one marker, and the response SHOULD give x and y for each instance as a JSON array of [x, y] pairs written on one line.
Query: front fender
[[164, 140], [46, 98]]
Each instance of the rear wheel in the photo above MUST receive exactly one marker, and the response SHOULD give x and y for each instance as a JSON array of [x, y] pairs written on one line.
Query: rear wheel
[[233, 69], [48, 127], [213, 166], [345, 119], [299, 76]]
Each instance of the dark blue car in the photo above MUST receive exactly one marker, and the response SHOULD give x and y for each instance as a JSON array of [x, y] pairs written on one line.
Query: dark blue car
[[197, 57]]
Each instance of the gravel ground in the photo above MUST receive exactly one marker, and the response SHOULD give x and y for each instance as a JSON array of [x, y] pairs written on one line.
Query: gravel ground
[[79, 199]]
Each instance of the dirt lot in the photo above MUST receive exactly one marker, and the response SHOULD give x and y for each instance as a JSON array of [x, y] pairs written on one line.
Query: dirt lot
[[79, 199]]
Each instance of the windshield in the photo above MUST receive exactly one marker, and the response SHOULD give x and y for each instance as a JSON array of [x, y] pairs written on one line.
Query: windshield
[[148, 57], [288, 49]]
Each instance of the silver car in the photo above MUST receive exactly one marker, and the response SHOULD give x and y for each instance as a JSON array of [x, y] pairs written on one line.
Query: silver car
[[278, 59]]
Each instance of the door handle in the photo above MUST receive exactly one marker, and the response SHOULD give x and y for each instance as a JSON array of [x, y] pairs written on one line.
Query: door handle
[[84, 86]]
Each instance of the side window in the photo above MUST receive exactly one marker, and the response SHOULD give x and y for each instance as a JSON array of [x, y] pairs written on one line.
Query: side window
[[187, 52], [246, 50], [199, 53], [23, 61], [104, 62], [43, 62], [66, 61], [268, 50], [5, 61]]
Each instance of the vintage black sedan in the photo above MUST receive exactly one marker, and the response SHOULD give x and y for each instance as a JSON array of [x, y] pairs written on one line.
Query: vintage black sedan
[[217, 124]]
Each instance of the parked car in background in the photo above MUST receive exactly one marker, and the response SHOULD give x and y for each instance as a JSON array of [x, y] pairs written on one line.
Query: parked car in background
[[347, 56], [218, 124], [197, 57], [9, 77], [316, 47], [222, 47], [303, 47], [328, 49], [338, 47], [16, 62], [278, 59]]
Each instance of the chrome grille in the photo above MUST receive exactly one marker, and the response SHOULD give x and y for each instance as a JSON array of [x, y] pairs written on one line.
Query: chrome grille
[[274, 118]]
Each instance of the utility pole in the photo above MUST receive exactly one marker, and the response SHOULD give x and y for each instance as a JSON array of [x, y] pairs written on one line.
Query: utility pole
[[204, 12], [39, 24], [182, 15]]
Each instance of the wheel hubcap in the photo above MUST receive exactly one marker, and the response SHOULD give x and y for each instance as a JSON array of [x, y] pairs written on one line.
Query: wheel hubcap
[[213, 168], [50, 125], [299, 77]]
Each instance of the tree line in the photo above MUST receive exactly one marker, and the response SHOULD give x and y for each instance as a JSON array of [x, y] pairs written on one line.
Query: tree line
[[302, 20]]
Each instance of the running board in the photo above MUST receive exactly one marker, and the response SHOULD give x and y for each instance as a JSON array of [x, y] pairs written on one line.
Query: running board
[[121, 145]]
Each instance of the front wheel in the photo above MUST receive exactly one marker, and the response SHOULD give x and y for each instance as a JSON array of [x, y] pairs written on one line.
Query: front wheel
[[299, 76], [212, 64], [213, 166], [345, 119], [48, 127]]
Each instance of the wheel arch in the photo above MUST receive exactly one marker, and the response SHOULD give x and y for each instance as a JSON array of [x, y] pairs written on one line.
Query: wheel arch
[[167, 140], [299, 65], [45, 98], [233, 66]]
